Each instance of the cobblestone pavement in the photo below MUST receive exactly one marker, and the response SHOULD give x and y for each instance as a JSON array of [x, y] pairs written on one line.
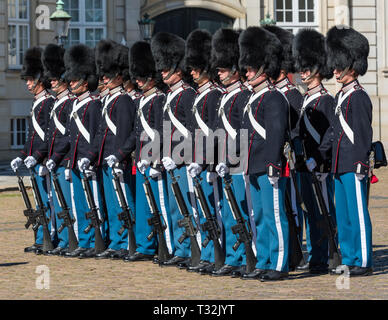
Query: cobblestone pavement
[[21, 274]]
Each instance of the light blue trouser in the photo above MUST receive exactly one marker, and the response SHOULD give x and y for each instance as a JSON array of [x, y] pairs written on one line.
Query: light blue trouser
[[353, 220], [234, 258], [63, 237], [271, 223], [181, 249], [143, 213], [43, 186], [80, 207], [213, 195], [316, 241], [117, 241]]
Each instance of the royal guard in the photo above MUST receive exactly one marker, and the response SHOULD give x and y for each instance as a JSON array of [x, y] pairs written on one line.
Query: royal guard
[[197, 61], [35, 150], [266, 117], [313, 128], [57, 137], [168, 51], [83, 123], [348, 52], [149, 130], [224, 59]]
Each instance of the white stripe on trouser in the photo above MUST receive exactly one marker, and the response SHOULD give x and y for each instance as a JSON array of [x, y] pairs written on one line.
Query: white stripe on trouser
[[251, 214], [52, 208], [278, 227], [193, 205], [164, 214], [74, 207], [122, 184], [96, 200], [218, 210], [360, 209]]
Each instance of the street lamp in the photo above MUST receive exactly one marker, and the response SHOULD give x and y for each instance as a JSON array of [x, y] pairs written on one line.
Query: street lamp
[[267, 21], [61, 21], [146, 26]]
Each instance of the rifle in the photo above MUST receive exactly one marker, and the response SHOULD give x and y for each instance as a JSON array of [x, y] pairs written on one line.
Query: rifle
[[329, 227], [186, 222], [95, 222], [29, 213], [211, 226], [41, 214], [296, 257], [156, 221], [290, 155], [240, 229], [68, 220], [126, 216]]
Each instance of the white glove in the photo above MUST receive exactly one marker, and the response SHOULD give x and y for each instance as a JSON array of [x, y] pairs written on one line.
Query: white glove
[[111, 160], [119, 172], [360, 177], [273, 180], [67, 174], [154, 174], [311, 164], [83, 164], [43, 171], [30, 162], [211, 177], [194, 169], [16, 163], [168, 164], [321, 176], [50, 165], [142, 166], [222, 170]]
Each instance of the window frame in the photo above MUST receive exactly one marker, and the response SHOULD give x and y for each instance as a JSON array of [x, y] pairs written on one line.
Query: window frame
[[14, 133], [295, 25], [18, 22], [82, 25]]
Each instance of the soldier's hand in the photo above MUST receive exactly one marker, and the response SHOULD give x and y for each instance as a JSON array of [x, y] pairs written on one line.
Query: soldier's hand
[[111, 160], [222, 170], [50, 165], [194, 169], [154, 174], [168, 164], [142, 166], [30, 162], [83, 164], [311, 164], [16, 163]]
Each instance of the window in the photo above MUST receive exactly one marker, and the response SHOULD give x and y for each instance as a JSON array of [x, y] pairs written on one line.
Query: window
[[88, 21], [18, 32], [19, 129], [296, 14]]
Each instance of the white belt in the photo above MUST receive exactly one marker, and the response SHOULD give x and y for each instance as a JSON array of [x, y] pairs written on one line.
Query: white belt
[[108, 121], [221, 113], [201, 123], [338, 111], [35, 123], [58, 124], [173, 119], [258, 128], [78, 121], [150, 132]]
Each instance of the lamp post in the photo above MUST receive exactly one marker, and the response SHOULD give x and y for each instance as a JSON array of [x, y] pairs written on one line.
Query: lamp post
[[61, 21], [146, 26]]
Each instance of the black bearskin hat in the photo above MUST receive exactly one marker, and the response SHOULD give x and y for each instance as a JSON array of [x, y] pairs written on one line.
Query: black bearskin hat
[[260, 48], [198, 50], [347, 48], [309, 50], [53, 63], [33, 67], [168, 51], [111, 59], [225, 49], [286, 39], [80, 64], [141, 61]]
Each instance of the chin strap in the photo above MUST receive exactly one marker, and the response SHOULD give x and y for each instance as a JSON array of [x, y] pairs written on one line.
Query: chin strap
[[79, 84], [146, 84], [230, 75], [172, 71], [258, 74], [315, 71], [343, 74]]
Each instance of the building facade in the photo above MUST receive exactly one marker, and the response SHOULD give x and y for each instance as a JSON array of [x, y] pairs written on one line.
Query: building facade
[[25, 23]]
